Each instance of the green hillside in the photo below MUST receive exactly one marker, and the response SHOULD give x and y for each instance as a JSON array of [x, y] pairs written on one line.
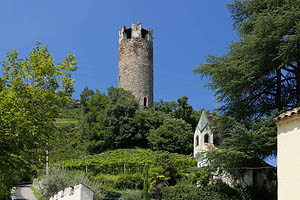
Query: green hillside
[[133, 160]]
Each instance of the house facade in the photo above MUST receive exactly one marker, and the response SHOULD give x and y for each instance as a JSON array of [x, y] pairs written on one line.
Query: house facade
[[288, 154]]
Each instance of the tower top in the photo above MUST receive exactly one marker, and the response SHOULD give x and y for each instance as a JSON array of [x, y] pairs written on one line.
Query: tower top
[[136, 31], [203, 122]]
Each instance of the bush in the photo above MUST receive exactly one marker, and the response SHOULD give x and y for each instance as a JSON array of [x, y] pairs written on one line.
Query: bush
[[130, 181], [106, 179], [217, 191], [59, 179], [132, 195]]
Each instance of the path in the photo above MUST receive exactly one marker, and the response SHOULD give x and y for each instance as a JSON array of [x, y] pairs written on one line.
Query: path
[[23, 192]]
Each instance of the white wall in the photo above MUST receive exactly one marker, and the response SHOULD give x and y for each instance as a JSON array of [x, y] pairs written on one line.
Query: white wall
[[288, 158], [77, 192]]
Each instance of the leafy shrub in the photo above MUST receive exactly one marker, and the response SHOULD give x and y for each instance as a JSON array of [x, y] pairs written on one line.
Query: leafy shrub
[[132, 195], [217, 191], [59, 179], [130, 181], [106, 179], [110, 193]]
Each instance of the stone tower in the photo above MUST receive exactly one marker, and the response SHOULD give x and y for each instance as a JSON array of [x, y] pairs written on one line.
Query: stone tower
[[136, 63]]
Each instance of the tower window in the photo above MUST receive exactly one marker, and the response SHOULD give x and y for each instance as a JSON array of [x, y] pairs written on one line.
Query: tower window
[[144, 32], [128, 33], [206, 138], [145, 101]]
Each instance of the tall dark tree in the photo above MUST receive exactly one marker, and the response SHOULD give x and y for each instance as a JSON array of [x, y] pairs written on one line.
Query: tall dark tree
[[261, 71]]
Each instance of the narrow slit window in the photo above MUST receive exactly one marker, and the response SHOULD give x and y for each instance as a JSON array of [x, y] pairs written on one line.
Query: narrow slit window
[[197, 140], [145, 101]]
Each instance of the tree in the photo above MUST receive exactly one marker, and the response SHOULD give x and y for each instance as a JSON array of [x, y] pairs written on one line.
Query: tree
[[93, 106], [119, 129], [180, 110], [261, 71], [174, 135], [108, 120], [144, 122], [31, 92]]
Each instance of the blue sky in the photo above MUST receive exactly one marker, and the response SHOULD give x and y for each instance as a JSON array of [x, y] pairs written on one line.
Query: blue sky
[[184, 33]]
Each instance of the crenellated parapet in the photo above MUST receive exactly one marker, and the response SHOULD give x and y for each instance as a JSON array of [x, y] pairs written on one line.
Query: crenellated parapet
[[136, 31], [76, 192], [136, 63]]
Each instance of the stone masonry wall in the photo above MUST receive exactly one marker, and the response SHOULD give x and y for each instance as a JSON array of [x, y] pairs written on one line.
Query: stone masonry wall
[[136, 68]]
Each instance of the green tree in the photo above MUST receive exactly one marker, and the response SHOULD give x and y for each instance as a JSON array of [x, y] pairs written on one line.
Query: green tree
[[119, 129], [108, 120], [261, 71], [93, 106], [31, 92], [157, 181], [144, 122], [180, 110], [174, 135]]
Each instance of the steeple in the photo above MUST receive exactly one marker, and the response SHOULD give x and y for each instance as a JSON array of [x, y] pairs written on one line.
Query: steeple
[[203, 137]]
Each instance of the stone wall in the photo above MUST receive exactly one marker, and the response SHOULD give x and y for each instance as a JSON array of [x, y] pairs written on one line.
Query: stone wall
[[136, 63]]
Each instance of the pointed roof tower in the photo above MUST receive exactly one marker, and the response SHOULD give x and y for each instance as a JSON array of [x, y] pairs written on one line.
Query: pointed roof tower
[[203, 122]]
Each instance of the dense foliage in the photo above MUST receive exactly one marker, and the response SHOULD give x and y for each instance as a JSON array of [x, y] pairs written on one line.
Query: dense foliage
[[130, 160], [174, 135], [115, 121], [261, 71], [256, 78], [31, 91]]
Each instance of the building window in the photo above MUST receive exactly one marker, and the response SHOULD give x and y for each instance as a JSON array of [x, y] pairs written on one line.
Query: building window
[[197, 140], [145, 102], [206, 137]]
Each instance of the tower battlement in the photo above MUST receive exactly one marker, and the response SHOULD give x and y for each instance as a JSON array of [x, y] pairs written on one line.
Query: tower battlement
[[136, 31]]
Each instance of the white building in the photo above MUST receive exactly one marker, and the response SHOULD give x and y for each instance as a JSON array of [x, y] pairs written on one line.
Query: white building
[[76, 192], [288, 154], [204, 141]]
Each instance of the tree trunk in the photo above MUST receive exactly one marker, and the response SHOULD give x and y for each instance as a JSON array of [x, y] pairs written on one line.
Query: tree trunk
[[297, 74], [278, 100]]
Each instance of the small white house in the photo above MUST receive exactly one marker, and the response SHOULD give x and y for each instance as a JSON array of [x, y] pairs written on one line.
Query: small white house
[[288, 154], [76, 192]]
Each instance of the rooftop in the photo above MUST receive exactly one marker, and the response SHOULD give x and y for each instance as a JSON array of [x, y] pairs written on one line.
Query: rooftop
[[288, 114]]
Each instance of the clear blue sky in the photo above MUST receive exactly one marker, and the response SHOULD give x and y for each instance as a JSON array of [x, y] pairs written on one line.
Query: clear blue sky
[[184, 33]]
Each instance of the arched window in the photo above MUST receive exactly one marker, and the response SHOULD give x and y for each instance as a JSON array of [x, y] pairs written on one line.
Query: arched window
[[206, 137], [197, 140]]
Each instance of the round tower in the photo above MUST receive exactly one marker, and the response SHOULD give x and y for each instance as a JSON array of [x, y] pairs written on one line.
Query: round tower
[[136, 63]]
